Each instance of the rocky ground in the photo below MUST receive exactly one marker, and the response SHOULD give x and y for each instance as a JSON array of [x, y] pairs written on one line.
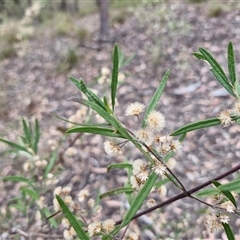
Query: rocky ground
[[163, 36]]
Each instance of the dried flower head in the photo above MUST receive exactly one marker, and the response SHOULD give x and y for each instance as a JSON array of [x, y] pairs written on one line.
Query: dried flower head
[[228, 206], [94, 228], [133, 236], [138, 166], [150, 202], [162, 191], [136, 182], [135, 109], [145, 136], [82, 195], [112, 149], [213, 224], [155, 120], [224, 218], [159, 168], [225, 118], [236, 109], [108, 225]]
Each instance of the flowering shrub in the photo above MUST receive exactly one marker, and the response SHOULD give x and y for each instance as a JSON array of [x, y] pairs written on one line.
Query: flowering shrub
[[157, 160], [157, 150]]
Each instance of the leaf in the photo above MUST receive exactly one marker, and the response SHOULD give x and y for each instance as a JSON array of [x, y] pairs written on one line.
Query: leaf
[[231, 64], [27, 132], [158, 93], [34, 195], [114, 81], [72, 219], [116, 191], [51, 220], [92, 97], [14, 145], [125, 62], [231, 186], [119, 165], [217, 70], [228, 231], [198, 55], [207, 192], [110, 119], [37, 136], [139, 199], [196, 125], [226, 193], [51, 164], [17, 179], [226, 85], [107, 105], [236, 89], [95, 130]]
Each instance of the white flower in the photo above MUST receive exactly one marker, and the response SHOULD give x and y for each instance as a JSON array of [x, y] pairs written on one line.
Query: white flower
[[108, 225], [112, 149], [138, 165], [224, 218], [225, 118], [135, 109], [94, 228], [156, 120], [145, 136], [159, 168]]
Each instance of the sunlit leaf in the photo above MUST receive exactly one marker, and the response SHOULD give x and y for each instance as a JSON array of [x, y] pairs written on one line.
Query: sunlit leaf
[[72, 219], [114, 81], [207, 192], [231, 186], [119, 166]]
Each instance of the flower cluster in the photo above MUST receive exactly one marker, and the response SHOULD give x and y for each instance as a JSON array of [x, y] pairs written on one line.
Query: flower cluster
[[225, 116], [97, 227]]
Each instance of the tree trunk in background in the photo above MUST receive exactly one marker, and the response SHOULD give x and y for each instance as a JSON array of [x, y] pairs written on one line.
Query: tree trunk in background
[[2, 4], [30, 2], [63, 6], [17, 1], [104, 19], [76, 6]]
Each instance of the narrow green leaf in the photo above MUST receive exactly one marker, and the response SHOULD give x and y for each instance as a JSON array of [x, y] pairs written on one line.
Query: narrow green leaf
[[27, 132], [198, 55], [236, 89], [217, 70], [225, 84], [14, 145], [51, 164], [51, 220], [196, 125], [226, 193], [114, 81], [34, 195], [228, 231], [207, 192], [107, 105], [119, 166], [110, 119], [231, 186], [231, 64], [17, 179], [116, 192], [37, 136], [92, 97], [158, 93], [139, 199], [72, 219], [95, 130]]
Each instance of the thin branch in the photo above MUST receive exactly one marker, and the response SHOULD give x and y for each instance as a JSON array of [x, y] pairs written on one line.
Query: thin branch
[[185, 194]]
